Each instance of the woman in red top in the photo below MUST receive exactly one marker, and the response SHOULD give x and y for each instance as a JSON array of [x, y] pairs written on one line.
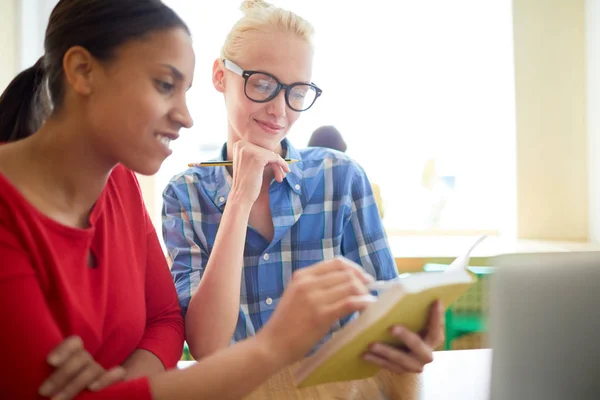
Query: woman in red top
[[78, 254]]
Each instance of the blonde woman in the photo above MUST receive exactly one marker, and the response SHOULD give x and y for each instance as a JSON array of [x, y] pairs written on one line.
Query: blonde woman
[[237, 235]]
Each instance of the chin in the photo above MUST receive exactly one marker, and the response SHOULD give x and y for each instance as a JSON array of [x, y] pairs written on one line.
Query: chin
[[267, 142], [144, 168]]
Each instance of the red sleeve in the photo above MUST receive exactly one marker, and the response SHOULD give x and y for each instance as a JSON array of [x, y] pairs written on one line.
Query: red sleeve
[[164, 333], [29, 332]]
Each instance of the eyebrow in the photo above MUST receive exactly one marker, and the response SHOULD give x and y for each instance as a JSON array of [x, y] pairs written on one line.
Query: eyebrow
[[176, 73]]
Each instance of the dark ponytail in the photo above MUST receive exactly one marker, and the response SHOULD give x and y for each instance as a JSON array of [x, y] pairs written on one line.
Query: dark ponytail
[[100, 26], [22, 107]]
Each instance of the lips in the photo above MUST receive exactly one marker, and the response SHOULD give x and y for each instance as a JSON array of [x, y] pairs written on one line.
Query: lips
[[270, 127], [165, 138]]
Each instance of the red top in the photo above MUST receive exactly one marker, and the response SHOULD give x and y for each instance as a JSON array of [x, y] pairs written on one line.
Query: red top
[[48, 291]]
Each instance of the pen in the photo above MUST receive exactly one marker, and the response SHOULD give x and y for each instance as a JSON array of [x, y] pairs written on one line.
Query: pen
[[228, 163]]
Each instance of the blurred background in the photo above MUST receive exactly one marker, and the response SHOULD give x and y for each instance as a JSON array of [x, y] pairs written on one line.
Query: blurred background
[[470, 115]]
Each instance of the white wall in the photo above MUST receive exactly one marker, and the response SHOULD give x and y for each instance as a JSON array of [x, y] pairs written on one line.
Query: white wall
[[550, 81], [8, 41], [33, 23], [593, 114], [22, 27]]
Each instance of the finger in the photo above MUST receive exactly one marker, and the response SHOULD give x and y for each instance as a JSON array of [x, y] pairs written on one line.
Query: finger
[[117, 374], [335, 293], [414, 343], [273, 157], [398, 363], [278, 172], [80, 382], [356, 268], [65, 374], [349, 305], [64, 350], [337, 264], [339, 278], [286, 167], [436, 325], [277, 159]]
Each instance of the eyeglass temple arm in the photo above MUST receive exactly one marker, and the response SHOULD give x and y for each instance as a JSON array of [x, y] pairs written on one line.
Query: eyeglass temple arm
[[233, 67]]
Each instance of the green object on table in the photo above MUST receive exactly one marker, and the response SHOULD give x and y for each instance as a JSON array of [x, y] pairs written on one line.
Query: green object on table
[[467, 315], [186, 355]]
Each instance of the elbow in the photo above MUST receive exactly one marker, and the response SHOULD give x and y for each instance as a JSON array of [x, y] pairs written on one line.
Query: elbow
[[202, 342], [200, 349]]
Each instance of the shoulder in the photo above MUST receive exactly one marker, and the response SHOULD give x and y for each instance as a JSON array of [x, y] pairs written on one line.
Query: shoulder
[[197, 177], [321, 158]]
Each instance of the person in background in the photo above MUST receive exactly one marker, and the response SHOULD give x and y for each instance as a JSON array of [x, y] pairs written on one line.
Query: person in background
[[86, 299], [328, 136], [236, 235]]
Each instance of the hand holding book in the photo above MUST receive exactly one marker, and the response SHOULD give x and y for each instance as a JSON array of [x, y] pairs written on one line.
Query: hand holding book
[[414, 305], [417, 349]]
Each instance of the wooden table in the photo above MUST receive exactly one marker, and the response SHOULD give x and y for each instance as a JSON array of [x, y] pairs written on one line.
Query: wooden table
[[458, 374]]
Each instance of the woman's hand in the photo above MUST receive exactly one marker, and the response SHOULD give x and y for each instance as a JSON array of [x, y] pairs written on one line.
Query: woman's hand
[[249, 163], [76, 371], [316, 298], [418, 348]]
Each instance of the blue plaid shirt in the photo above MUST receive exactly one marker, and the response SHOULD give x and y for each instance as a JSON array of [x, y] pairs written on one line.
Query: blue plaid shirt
[[323, 208]]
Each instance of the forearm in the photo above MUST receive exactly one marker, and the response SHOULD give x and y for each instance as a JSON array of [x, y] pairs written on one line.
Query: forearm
[[142, 363], [212, 377], [213, 310]]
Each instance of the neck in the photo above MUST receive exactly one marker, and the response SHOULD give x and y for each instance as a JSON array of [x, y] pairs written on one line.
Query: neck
[[66, 165]]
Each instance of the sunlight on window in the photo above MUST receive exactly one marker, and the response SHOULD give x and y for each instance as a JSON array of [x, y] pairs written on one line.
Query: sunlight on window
[[423, 93]]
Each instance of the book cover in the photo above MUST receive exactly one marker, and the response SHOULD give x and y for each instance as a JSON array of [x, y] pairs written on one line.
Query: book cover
[[404, 302]]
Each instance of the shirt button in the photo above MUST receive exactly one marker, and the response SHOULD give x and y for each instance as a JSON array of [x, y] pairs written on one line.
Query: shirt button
[[269, 301], [266, 257], [297, 187], [221, 199]]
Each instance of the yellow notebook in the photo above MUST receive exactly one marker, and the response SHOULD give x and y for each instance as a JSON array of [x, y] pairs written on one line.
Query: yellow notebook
[[407, 302]]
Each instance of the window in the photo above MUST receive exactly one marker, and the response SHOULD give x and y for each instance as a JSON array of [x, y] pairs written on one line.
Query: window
[[412, 85]]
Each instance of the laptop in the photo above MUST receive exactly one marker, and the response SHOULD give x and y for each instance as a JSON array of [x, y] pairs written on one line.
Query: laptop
[[545, 327]]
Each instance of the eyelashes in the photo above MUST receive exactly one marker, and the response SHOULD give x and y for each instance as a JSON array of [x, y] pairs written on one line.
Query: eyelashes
[[164, 87]]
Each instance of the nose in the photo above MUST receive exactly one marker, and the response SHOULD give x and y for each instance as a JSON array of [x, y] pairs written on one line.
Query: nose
[[182, 116], [277, 106]]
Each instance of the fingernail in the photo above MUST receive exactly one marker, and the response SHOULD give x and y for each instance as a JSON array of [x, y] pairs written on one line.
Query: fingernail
[[54, 359], [377, 348], [369, 278], [58, 397], [368, 357], [398, 330], [94, 386], [46, 389]]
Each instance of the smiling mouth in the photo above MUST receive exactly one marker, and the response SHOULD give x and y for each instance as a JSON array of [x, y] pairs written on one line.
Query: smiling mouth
[[164, 140], [269, 127]]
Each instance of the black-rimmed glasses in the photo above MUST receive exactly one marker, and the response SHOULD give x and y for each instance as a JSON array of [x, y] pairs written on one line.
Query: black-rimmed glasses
[[262, 87]]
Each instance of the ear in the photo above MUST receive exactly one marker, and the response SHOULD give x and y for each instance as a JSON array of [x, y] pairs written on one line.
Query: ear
[[218, 75], [78, 64]]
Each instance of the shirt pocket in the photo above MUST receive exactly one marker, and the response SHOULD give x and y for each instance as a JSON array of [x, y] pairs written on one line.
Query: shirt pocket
[[307, 253], [332, 247]]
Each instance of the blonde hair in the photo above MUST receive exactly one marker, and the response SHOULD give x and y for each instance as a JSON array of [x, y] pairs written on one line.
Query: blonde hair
[[262, 17]]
